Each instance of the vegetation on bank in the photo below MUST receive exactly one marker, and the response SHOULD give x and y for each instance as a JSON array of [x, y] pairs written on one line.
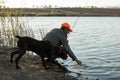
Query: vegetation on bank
[[11, 26]]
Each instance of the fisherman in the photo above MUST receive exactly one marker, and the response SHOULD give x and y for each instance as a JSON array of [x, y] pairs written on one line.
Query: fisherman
[[58, 37]]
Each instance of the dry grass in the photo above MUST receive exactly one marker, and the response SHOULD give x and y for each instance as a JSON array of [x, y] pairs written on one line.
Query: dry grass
[[12, 26]]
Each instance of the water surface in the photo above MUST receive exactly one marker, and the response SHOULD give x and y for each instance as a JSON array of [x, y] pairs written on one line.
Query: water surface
[[95, 41]]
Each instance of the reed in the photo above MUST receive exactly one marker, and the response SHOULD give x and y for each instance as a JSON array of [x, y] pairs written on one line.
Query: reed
[[11, 26], [42, 32]]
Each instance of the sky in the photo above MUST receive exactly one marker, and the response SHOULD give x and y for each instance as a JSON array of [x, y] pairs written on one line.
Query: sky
[[62, 3]]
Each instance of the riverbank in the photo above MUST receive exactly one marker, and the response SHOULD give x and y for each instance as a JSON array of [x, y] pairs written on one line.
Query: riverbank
[[61, 11], [32, 69]]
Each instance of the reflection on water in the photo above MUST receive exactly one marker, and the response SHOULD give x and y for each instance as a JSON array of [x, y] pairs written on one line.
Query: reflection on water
[[95, 41]]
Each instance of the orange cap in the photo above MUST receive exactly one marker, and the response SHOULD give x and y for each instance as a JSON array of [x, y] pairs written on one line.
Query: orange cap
[[67, 25]]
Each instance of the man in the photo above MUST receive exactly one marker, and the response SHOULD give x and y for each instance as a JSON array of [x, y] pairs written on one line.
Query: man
[[58, 37]]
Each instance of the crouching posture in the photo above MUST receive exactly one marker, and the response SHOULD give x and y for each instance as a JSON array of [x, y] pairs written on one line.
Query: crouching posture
[[41, 48]]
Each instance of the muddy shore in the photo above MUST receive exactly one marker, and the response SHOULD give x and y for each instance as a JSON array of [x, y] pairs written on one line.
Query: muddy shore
[[31, 69]]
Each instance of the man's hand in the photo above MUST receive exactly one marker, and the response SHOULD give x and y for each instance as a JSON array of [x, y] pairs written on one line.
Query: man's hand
[[79, 62]]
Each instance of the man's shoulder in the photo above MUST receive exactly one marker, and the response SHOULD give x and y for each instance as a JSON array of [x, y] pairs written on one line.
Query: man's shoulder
[[59, 32], [56, 30]]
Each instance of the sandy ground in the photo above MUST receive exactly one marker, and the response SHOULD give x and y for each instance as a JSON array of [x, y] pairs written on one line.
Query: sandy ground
[[31, 69]]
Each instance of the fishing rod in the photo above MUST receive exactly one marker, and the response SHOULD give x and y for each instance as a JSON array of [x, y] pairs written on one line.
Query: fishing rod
[[78, 16], [75, 22]]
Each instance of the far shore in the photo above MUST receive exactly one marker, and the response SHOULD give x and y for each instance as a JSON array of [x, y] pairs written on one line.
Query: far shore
[[60, 11]]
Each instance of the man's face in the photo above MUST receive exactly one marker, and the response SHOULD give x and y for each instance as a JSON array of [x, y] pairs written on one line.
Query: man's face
[[66, 30]]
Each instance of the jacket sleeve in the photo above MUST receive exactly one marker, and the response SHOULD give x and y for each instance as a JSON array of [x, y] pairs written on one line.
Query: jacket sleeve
[[70, 52], [67, 47]]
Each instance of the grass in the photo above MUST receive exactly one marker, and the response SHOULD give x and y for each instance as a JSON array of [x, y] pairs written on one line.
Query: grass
[[11, 26]]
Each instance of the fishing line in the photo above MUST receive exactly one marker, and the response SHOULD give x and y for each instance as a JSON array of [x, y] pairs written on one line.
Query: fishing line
[[78, 16]]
